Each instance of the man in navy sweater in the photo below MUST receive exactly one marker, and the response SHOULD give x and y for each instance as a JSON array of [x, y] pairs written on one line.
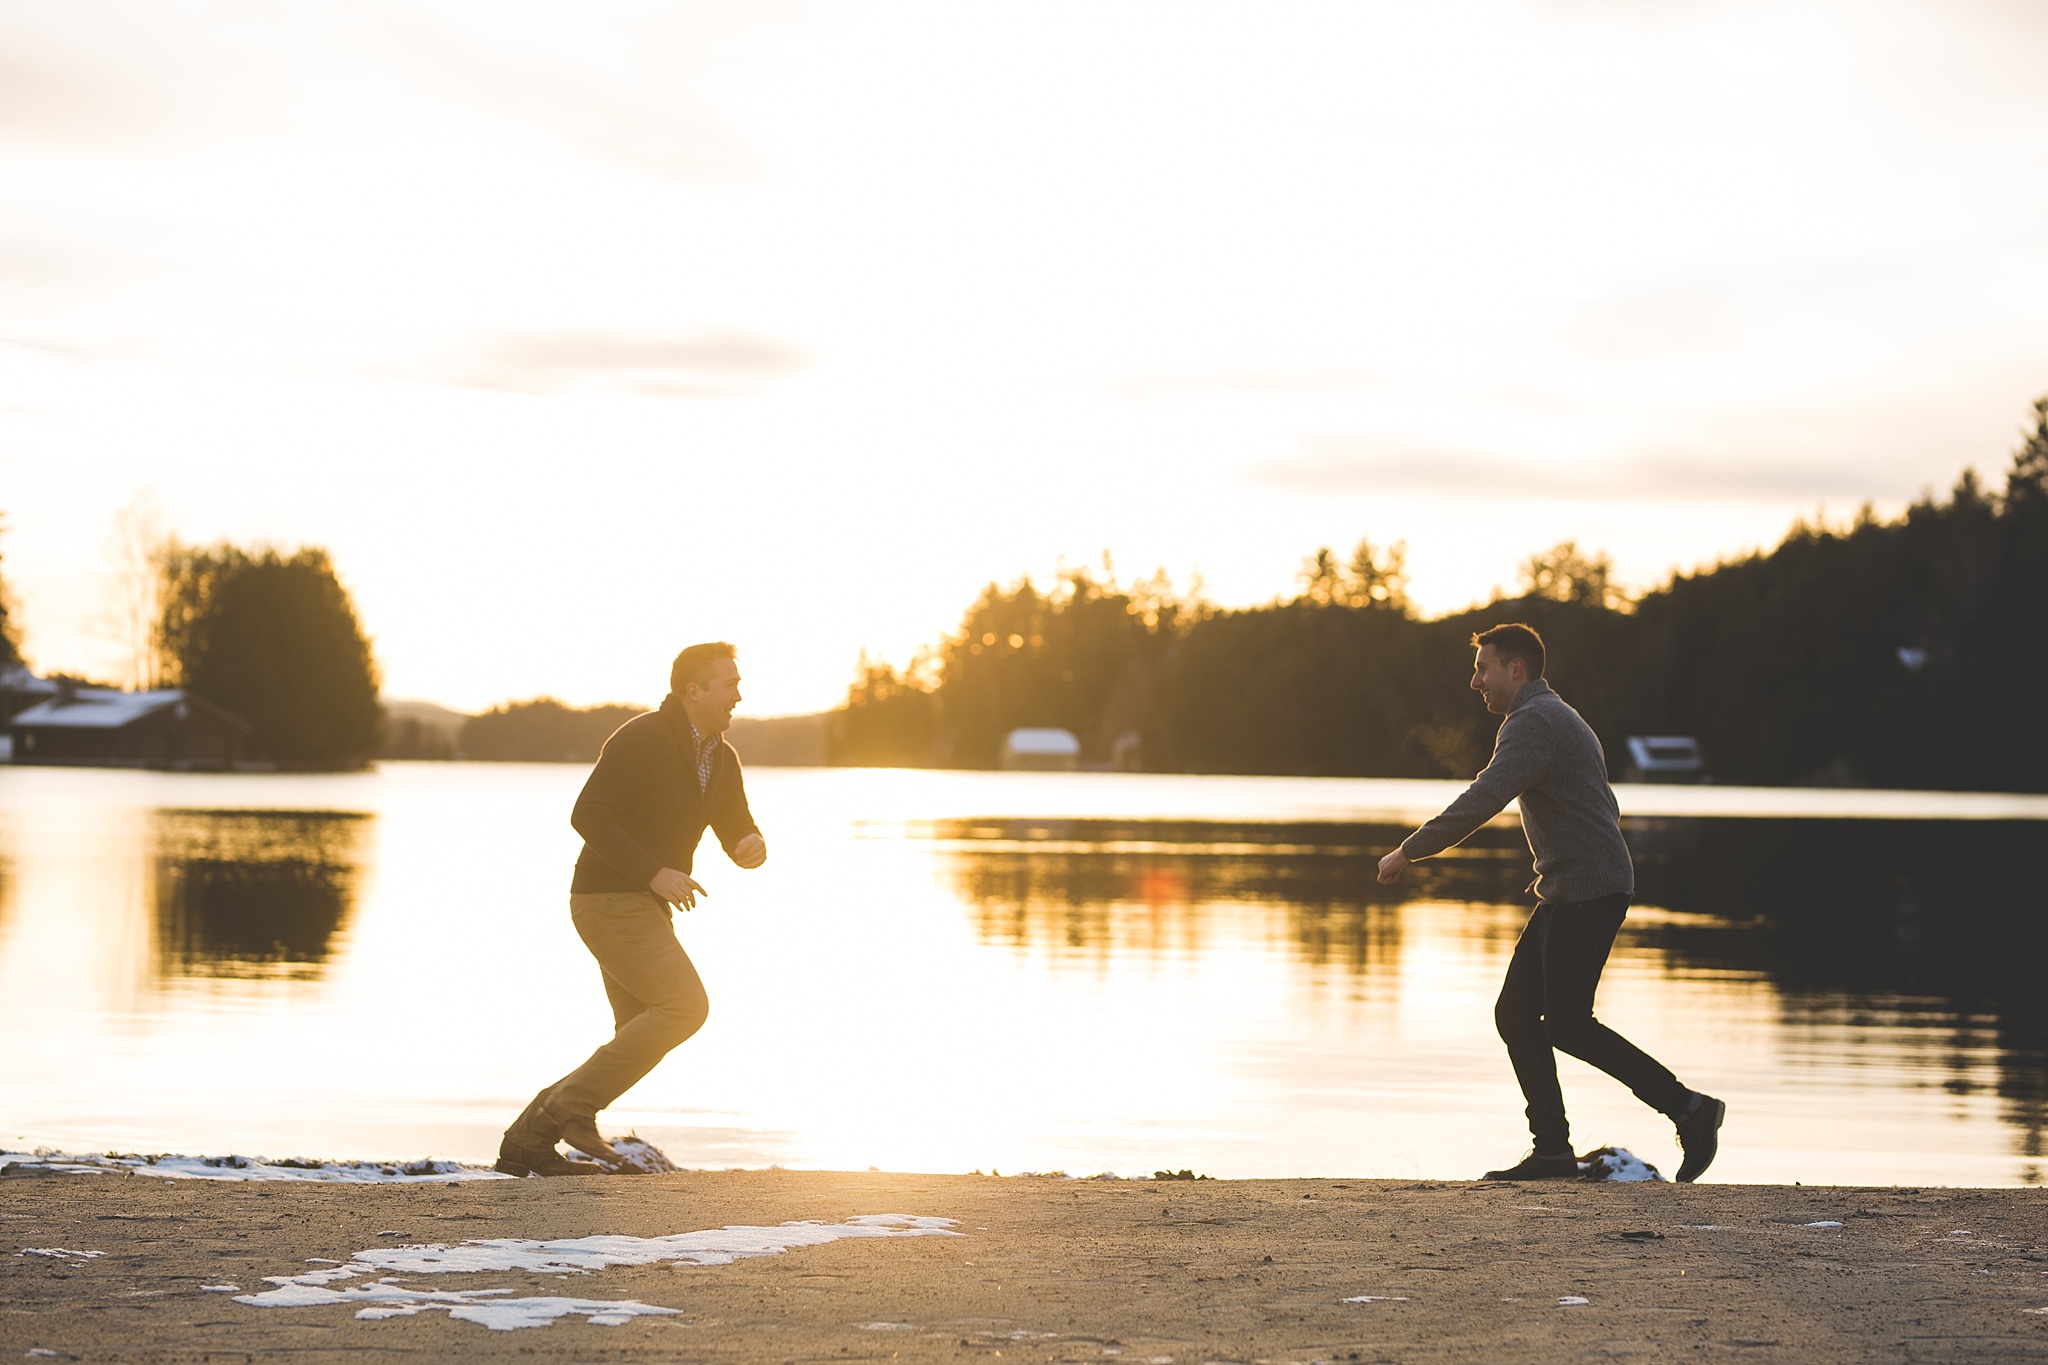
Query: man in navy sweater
[[662, 778]]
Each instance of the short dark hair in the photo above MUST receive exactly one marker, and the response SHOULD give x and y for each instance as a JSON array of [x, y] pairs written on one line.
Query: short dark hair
[[1513, 640], [693, 663]]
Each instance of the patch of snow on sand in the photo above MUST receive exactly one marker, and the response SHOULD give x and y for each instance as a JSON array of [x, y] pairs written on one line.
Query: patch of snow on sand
[[1616, 1163], [1377, 1298], [635, 1154], [60, 1253], [46, 1162], [574, 1255], [1571, 1301], [1824, 1223], [720, 1246], [484, 1307]]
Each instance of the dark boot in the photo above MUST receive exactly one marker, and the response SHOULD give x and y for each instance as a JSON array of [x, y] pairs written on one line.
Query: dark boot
[[1534, 1167], [533, 1126], [518, 1158], [580, 1132], [529, 1146], [1699, 1135]]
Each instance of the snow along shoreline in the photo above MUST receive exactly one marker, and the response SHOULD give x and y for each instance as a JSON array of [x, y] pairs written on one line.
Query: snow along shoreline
[[168, 1166], [639, 1156]]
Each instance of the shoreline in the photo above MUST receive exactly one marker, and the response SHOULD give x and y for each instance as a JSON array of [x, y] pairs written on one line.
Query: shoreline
[[1621, 1165], [1030, 1267]]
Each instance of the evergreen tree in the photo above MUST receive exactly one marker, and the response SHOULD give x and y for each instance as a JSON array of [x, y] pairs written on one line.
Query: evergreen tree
[[274, 639], [2014, 646], [1084, 657], [890, 720], [1374, 577], [1564, 573], [10, 638], [1379, 577], [2028, 479]]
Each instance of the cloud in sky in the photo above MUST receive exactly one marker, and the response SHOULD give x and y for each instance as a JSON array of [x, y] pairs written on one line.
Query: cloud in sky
[[1154, 387], [632, 87], [715, 364], [981, 286], [626, 83], [1356, 464]]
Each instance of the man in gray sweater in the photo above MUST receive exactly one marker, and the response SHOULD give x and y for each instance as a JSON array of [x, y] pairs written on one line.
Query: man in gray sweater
[[1549, 759]]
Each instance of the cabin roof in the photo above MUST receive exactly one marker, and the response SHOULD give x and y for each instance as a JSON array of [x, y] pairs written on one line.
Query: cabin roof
[[104, 708], [1042, 741]]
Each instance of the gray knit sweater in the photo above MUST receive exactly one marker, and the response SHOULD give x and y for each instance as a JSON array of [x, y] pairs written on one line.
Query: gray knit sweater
[[1548, 756]]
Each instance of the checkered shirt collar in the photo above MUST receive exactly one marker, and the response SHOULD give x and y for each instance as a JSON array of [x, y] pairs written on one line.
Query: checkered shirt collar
[[706, 749]]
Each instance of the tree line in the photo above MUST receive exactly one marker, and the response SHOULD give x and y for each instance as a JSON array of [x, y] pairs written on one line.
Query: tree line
[[542, 730], [1890, 653], [1887, 653], [545, 730]]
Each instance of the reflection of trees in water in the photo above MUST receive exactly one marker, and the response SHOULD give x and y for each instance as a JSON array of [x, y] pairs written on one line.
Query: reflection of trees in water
[[1098, 904], [1936, 925], [1952, 909], [1944, 922], [253, 892], [1096, 886]]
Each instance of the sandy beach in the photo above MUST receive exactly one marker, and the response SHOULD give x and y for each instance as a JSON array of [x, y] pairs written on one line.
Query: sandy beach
[[1038, 1269]]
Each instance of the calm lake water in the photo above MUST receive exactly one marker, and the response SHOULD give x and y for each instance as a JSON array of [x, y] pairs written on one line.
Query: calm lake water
[[959, 971]]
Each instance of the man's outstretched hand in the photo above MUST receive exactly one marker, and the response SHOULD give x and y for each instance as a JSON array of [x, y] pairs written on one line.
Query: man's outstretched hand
[[1391, 866], [677, 888], [751, 851]]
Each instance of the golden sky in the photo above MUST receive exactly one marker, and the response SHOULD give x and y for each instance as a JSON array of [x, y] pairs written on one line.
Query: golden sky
[[579, 332]]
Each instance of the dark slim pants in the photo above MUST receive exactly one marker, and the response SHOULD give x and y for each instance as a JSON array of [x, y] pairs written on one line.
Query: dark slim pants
[[1547, 1002]]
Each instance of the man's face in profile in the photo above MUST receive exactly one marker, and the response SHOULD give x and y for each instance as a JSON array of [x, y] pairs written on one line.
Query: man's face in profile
[[1497, 679], [710, 701]]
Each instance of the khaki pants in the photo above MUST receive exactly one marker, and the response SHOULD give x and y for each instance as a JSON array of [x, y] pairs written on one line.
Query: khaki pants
[[657, 999]]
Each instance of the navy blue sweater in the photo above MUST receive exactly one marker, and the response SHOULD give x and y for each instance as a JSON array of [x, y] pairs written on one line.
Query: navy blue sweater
[[641, 809]]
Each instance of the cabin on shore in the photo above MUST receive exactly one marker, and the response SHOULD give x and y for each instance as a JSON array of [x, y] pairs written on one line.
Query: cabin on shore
[[107, 728], [1041, 750]]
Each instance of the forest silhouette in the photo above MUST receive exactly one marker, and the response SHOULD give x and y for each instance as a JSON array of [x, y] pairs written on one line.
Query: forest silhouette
[[1883, 653], [1888, 653]]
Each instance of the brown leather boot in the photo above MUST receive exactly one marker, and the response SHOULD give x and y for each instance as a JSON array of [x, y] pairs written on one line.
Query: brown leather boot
[[580, 1132], [533, 1127], [517, 1158]]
